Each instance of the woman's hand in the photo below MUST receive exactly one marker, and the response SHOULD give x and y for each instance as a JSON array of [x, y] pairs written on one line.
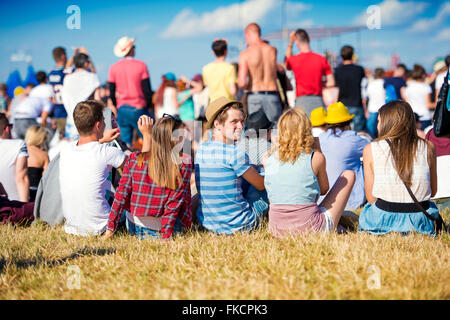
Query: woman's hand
[[145, 125], [107, 235]]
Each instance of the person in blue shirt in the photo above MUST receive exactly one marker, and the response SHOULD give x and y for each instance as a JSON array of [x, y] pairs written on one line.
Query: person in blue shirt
[[343, 148], [221, 165], [396, 84], [56, 78]]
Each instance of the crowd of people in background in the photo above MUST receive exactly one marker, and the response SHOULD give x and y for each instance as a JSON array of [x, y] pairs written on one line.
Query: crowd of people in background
[[227, 149]]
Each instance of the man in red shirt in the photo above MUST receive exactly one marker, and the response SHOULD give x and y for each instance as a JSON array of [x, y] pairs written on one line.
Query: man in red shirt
[[309, 69], [130, 78]]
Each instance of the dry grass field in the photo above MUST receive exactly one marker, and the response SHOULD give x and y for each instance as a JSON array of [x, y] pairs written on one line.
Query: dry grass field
[[40, 262]]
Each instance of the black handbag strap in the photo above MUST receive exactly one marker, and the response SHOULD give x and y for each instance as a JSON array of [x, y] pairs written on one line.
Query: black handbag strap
[[445, 87], [411, 194]]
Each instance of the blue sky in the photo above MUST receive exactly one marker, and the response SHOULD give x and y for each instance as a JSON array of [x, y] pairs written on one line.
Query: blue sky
[[176, 35]]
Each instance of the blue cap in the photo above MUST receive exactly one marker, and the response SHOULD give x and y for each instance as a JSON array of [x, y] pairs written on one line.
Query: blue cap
[[170, 76]]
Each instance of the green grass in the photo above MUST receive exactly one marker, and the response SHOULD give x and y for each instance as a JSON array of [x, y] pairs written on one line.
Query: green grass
[[36, 263]]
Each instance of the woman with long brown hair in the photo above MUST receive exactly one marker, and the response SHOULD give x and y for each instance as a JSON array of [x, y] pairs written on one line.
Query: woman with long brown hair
[[396, 158], [155, 186]]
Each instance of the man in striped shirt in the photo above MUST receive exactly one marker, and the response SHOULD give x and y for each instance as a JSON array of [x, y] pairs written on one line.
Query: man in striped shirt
[[220, 165]]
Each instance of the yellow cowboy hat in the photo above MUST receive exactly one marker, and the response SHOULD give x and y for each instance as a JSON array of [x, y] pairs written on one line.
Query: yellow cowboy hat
[[338, 113], [318, 116]]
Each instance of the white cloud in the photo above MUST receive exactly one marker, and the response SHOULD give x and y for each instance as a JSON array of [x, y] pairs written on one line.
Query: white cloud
[[232, 17], [394, 12], [443, 35], [20, 56], [427, 24], [294, 9]]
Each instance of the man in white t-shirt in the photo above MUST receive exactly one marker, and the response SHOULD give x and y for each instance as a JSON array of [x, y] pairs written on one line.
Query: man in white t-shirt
[[418, 95], [43, 89], [78, 86], [84, 168], [27, 111], [13, 163]]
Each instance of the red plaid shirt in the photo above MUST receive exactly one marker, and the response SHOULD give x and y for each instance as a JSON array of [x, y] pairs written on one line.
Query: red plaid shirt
[[138, 194]]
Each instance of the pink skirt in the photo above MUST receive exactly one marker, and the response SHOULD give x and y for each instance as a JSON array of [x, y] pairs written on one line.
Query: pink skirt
[[294, 219]]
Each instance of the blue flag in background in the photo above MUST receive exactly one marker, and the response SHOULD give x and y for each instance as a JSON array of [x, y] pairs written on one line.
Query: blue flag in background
[[13, 82], [31, 77]]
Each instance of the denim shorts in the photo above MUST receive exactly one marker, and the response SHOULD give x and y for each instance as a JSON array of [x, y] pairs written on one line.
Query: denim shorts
[[146, 233], [263, 108]]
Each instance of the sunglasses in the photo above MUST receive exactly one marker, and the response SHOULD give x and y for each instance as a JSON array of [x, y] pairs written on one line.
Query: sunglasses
[[10, 126], [166, 115]]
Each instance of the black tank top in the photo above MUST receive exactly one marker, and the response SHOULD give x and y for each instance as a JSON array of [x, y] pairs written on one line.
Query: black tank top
[[34, 175]]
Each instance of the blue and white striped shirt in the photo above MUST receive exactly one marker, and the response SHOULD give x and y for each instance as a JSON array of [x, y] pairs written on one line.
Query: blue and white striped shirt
[[222, 207]]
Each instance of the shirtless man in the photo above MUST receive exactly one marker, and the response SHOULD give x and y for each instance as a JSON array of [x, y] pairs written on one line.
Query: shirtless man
[[259, 63]]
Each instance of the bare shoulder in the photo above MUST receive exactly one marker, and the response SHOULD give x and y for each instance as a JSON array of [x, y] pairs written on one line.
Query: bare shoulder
[[318, 157], [244, 54], [273, 49], [367, 153], [318, 162], [368, 148]]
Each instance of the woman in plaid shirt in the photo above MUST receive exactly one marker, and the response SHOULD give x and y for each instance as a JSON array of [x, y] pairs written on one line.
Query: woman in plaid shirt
[[155, 187]]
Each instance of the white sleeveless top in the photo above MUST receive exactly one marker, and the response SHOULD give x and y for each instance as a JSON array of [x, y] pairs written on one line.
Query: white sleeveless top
[[168, 103], [388, 186]]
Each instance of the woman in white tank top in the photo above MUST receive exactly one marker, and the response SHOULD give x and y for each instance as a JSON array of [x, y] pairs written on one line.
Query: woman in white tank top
[[412, 160]]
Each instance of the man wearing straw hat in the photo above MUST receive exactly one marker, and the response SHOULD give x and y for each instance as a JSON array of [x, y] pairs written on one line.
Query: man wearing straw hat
[[220, 163], [131, 79]]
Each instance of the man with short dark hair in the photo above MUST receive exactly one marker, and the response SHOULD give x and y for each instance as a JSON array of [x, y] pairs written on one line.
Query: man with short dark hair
[[220, 165], [84, 168], [131, 79], [78, 86], [309, 68], [349, 77], [13, 163], [258, 74], [220, 76], [56, 80]]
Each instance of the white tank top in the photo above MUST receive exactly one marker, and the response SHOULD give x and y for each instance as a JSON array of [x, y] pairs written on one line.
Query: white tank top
[[168, 103], [388, 186]]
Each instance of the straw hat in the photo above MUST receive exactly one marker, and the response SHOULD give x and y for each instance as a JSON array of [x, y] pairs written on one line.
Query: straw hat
[[439, 64], [123, 46], [215, 107], [318, 116], [338, 113]]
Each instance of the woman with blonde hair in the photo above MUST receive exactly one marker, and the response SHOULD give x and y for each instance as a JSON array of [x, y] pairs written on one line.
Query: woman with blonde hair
[[394, 162], [155, 186], [38, 160], [295, 175]]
